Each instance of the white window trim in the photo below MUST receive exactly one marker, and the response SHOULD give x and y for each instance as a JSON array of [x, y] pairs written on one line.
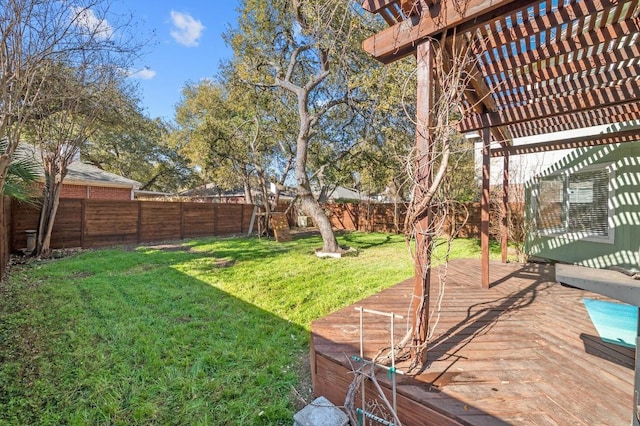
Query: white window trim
[[582, 236]]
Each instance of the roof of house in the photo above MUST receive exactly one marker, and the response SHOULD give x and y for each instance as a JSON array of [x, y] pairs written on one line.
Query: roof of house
[[211, 190], [82, 173], [342, 193]]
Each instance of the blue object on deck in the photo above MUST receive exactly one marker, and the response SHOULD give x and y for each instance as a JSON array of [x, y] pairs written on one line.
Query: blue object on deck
[[616, 322]]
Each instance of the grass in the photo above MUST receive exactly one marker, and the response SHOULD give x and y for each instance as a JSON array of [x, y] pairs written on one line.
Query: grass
[[215, 332]]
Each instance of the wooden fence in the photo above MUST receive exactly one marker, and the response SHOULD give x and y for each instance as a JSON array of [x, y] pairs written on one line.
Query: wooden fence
[[390, 218], [98, 223], [5, 227]]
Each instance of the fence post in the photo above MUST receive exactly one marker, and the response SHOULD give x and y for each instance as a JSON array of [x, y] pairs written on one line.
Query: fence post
[[139, 230], [215, 219], [83, 221], [5, 238], [241, 217], [181, 220]]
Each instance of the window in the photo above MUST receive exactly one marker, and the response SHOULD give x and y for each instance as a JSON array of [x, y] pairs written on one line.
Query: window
[[576, 205]]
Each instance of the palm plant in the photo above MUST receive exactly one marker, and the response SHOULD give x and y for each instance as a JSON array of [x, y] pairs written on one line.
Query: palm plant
[[22, 172]]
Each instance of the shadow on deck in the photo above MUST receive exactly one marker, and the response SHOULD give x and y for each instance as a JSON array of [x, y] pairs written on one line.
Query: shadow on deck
[[522, 352]]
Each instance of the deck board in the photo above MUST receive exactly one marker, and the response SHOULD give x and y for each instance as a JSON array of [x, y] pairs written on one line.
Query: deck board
[[512, 354]]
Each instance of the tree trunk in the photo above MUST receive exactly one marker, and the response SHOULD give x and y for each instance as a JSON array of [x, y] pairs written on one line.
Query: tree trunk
[[47, 217], [248, 197], [265, 197], [312, 208]]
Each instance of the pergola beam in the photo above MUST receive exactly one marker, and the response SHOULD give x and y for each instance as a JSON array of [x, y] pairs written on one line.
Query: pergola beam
[[593, 99], [564, 43], [479, 95], [631, 135], [400, 39], [484, 207], [526, 81], [375, 6], [609, 115]]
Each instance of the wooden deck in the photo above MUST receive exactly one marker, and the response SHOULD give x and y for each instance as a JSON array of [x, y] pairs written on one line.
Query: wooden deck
[[522, 352]]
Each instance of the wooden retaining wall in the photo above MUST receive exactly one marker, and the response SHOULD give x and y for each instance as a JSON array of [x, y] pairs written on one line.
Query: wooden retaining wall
[[98, 223]]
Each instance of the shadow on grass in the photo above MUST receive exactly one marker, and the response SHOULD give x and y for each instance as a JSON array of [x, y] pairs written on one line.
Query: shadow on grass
[[364, 241], [128, 344], [242, 249]]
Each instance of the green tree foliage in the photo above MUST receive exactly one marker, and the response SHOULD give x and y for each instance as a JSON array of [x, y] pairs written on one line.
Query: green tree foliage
[[21, 175], [141, 149], [236, 136]]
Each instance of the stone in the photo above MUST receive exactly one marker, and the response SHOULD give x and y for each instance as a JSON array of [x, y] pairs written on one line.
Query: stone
[[321, 412]]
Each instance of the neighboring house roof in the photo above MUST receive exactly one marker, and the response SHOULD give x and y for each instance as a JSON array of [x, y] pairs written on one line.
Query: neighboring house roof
[[79, 173], [211, 190], [342, 193]]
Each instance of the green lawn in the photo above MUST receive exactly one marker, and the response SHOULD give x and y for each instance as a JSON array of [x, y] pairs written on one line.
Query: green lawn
[[213, 333]]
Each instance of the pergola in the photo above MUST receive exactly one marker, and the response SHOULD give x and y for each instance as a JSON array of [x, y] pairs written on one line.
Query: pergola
[[539, 67]]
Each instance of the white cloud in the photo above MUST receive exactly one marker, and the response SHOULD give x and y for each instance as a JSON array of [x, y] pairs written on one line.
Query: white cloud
[[85, 18], [143, 74], [186, 30]]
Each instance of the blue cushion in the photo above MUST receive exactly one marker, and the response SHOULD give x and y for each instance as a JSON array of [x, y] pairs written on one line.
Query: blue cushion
[[616, 322]]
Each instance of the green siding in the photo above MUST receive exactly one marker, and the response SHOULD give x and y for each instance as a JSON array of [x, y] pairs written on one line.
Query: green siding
[[626, 220]]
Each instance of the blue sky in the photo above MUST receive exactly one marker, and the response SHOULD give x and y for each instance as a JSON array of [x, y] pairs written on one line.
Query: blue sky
[[186, 46]]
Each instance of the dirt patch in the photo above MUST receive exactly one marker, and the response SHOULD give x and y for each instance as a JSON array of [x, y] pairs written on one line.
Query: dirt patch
[[82, 274], [24, 259], [303, 392], [169, 247], [223, 263]]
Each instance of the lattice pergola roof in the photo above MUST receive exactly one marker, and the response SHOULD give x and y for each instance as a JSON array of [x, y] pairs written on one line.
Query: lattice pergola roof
[[541, 66]]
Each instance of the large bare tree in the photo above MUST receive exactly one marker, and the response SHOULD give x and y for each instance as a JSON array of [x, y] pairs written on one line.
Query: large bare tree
[[307, 53]]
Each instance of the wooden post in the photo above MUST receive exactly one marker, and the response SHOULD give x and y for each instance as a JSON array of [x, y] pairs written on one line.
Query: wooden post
[[484, 216], [181, 220], [215, 218], [422, 268], [504, 234], [140, 223], [83, 222]]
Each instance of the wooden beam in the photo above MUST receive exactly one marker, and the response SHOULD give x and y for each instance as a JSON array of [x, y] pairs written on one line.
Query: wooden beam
[[400, 39], [517, 72], [632, 135], [593, 99], [374, 6], [484, 213], [480, 97], [623, 113], [591, 77], [504, 234], [422, 267], [561, 22]]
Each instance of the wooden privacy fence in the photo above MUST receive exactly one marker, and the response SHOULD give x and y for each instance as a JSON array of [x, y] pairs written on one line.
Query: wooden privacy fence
[[98, 223], [5, 227], [388, 217]]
